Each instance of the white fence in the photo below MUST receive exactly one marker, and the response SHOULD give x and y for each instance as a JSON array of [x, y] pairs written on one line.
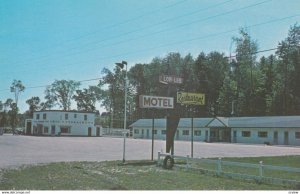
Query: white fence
[[114, 132], [262, 172]]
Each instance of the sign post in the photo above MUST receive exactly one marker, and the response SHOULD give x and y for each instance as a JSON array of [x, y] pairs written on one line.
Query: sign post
[[157, 102], [191, 99]]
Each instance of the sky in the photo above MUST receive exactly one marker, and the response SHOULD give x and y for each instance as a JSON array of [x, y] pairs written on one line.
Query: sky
[[42, 41]]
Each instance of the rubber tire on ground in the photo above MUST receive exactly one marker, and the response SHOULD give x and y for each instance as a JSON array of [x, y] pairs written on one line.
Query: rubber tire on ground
[[168, 162]]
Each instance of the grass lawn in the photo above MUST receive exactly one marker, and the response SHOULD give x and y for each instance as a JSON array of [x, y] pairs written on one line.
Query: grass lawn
[[135, 175]]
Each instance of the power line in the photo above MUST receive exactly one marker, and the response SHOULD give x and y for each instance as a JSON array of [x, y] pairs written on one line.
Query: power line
[[253, 53], [188, 40], [44, 86], [116, 24], [165, 30], [94, 79]]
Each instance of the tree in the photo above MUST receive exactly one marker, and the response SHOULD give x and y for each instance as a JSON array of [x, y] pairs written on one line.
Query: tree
[[34, 104], [60, 93], [17, 87], [288, 71], [86, 98], [113, 97], [245, 72], [13, 112]]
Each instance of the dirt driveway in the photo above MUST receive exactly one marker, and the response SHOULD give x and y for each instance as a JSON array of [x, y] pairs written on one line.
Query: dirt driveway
[[19, 150]]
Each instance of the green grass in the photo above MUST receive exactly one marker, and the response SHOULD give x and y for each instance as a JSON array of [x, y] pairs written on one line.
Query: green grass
[[285, 161], [135, 175]]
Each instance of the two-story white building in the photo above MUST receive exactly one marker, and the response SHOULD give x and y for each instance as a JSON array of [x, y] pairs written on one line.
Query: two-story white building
[[273, 130], [65, 123]]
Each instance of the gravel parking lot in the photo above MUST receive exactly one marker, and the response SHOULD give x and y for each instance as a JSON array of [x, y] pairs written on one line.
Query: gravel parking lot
[[19, 150]]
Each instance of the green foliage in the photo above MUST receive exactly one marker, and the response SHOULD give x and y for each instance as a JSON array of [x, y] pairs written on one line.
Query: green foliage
[[86, 98], [34, 104], [60, 93], [244, 86]]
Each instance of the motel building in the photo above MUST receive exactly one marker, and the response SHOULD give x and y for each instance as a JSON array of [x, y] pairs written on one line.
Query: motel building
[[62, 123], [271, 130]]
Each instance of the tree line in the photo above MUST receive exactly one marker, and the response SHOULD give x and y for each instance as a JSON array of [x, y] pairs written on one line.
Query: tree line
[[238, 85]]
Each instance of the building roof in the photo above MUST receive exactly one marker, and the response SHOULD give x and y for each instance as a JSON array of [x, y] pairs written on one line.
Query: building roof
[[267, 122], [231, 122], [66, 111]]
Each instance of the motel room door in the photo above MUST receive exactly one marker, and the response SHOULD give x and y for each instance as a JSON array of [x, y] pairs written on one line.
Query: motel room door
[[286, 138]]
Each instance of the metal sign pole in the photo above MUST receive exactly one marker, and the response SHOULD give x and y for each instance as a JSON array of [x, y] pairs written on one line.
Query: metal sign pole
[[152, 138], [192, 139]]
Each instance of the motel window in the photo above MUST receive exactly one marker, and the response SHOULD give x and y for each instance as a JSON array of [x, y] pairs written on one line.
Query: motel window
[[136, 131], [197, 133], [44, 116], [297, 135], [85, 117], [262, 134], [185, 132], [46, 130], [66, 116], [75, 116], [37, 116], [163, 132], [155, 132], [246, 133]]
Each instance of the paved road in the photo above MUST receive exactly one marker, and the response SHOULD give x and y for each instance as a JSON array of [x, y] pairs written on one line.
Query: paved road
[[19, 150]]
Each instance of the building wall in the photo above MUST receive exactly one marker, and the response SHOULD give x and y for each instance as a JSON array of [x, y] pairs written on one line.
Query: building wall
[[181, 133], [256, 136], [64, 123], [284, 136]]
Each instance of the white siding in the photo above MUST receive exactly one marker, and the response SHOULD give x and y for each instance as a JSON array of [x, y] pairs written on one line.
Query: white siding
[[75, 123]]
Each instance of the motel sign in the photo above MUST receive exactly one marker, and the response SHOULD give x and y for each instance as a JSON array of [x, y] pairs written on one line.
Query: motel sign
[[156, 102]]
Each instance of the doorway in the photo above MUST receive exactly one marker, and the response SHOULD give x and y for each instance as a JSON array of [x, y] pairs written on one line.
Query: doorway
[[286, 138], [28, 128], [89, 131], [275, 138], [98, 132], [53, 130], [220, 135], [234, 137]]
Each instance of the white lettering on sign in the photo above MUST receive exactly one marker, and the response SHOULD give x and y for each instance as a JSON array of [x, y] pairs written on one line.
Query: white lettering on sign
[[156, 102], [171, 79]]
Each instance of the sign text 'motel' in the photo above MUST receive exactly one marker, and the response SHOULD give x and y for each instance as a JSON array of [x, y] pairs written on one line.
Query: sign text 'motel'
[[156, 102], [191, 98]]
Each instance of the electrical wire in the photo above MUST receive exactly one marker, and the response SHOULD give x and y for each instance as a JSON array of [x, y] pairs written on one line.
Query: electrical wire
[[113, 25], [165, 30], [178, 42]]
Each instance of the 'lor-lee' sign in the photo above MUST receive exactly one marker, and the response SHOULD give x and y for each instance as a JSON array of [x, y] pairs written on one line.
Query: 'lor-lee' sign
[[170, 79], [156, 102], [190, 98]]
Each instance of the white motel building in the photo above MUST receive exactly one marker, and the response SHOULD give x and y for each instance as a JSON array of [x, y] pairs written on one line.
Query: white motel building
[[64, 123], [272, 130]]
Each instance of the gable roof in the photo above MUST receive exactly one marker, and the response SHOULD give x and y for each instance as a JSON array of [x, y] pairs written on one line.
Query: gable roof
[[218, 122]]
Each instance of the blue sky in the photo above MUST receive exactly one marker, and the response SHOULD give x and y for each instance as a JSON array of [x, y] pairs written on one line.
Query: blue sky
[[42, 40]]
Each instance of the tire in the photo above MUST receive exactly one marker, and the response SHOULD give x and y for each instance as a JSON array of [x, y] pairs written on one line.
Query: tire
[[168, 162]]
